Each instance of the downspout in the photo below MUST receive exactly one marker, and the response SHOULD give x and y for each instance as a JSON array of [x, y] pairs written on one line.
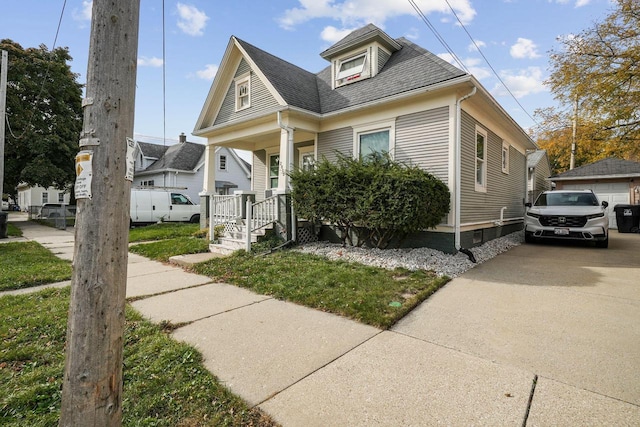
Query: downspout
[[458, 164], [294, 224]]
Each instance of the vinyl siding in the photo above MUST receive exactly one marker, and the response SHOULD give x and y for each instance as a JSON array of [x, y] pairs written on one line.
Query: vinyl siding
[[259, 174], [335, 140], [383, 57], [260, 98], [502, 189], [422, 139], [234, 172]]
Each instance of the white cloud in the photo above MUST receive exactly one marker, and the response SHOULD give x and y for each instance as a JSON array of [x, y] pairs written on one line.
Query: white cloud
[[524, 49], [354, 13], [581, 3], [332, 34], [83, 14], [191, 20], [143, 61], [412, 34], [474, 47], [521, 82], [209, 72], [473, 65]]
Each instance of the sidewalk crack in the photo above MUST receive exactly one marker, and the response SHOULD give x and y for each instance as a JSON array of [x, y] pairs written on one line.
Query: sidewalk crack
[[533, 390]]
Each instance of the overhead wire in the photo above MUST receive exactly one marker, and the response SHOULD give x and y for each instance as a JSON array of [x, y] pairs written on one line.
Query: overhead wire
[[438, 36], [489, 63], [458, 61]]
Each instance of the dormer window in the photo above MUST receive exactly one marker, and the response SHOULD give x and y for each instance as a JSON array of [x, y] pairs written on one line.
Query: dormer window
[[352, 68]]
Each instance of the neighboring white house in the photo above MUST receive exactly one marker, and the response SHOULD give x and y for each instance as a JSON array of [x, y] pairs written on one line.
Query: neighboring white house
[[181, 165], [37, 196]]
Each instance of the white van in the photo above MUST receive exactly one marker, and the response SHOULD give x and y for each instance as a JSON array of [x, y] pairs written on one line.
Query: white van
[[154, 205]]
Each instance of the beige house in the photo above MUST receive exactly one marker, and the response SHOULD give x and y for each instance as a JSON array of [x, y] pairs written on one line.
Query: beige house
[[377, 94]]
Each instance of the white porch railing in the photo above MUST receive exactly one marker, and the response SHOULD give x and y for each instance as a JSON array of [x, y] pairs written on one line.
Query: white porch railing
[[264, 213], [224, 209]]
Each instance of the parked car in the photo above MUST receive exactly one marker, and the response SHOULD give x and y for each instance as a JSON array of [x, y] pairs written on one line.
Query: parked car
[[56, 210], [567, 215], [5, 205]]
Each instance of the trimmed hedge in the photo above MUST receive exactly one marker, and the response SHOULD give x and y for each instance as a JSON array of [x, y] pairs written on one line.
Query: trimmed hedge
[[377, 199]]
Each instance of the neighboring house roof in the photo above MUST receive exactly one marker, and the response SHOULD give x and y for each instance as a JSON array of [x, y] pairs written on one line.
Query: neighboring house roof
[[184, 156], [606, 168], [152, 151], [409, 68], [534, 159]]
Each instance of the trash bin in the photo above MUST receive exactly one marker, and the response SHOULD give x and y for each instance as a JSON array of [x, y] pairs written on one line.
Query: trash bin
[[627, 218], [3, 225]]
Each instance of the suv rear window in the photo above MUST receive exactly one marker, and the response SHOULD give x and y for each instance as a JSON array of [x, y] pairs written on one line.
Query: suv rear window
[[567, 199]]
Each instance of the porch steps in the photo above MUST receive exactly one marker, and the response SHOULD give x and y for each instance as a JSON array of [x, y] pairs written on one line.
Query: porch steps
[[234, 240]]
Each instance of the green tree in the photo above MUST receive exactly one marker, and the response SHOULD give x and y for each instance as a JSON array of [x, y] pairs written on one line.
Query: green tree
[[600, 67], [44, 113]]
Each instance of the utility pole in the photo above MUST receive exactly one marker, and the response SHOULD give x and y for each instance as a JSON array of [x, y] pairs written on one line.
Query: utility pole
[[92, 382], [3, 112], [572, 161]]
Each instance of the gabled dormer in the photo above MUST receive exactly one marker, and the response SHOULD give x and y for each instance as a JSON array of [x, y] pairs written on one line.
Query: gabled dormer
[[360, 55]]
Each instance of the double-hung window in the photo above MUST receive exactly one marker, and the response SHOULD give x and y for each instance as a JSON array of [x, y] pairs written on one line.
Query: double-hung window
[[243, 93], [481, 159], [222, 163], [274, 170], [505, 157]]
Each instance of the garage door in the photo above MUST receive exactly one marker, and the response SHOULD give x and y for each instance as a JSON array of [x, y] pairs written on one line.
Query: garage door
[[614, 193]]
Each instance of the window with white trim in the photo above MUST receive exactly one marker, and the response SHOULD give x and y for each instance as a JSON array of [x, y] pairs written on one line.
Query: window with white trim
[[352, 68], [222, 162], [45, 197], [60, 197], [374, 140], [505, 157], [243, 93], [481, 159], [307, 158], [274, 170]]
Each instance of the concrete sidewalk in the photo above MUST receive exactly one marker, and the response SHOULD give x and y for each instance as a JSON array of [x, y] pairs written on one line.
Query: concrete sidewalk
[[470, 355]]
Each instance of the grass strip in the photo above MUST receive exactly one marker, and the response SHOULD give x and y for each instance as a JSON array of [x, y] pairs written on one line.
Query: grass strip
[[162, 231], [164, 249], [165, 383], [371, 295], [27, 264]]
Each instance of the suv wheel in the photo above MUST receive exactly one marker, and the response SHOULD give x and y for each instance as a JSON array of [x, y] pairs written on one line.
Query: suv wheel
[[528, 238], [602, 243]]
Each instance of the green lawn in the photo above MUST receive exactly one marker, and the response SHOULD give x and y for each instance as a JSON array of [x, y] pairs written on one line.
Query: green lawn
[[162, 231], [165, 383], [371, 295], [28, 264], [162, 250]]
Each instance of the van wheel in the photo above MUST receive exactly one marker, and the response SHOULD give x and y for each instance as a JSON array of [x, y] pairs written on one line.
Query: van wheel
[[195, 219]]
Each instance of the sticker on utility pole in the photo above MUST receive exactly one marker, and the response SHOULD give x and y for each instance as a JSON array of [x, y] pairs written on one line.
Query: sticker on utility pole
[[131, 159], [84, 172]]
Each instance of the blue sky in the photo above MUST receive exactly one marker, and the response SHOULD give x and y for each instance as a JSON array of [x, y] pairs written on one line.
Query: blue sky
[[514, 35]]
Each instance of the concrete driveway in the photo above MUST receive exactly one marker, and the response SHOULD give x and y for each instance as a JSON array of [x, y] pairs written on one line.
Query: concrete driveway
[[569, 313]]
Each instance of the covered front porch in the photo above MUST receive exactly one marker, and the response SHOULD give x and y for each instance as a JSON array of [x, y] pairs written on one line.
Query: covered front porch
[[279, 143]]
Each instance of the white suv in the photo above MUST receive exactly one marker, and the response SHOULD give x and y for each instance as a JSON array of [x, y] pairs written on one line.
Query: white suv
[[567, 215]]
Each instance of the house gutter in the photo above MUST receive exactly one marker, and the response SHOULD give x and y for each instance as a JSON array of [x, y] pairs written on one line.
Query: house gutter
[[458, 164], [294, 225]]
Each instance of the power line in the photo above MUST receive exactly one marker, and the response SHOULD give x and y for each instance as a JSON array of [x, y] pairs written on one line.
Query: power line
[[438, 36], [488, 63]]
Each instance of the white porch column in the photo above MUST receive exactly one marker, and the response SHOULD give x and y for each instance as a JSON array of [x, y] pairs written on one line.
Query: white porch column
[[286, 159], [209, 184]]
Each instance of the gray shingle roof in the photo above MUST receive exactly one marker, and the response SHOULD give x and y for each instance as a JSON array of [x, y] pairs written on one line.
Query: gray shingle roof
[[605, 167], [152, 151], [183, 156], [409, 68]]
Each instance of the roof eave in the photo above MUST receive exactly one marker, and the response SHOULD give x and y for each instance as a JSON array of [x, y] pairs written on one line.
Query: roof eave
[[588, 177]]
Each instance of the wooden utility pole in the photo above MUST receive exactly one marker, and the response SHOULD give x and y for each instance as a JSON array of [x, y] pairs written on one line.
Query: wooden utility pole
[[574, 134], [92, 383], [3, 107]]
